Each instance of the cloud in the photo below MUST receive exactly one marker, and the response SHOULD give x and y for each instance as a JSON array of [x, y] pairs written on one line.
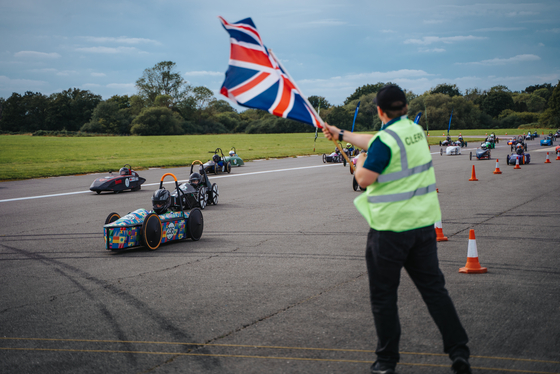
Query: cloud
[[66, 73], [503, 61], [125, 86], [109, 50], [425, 50], [91, 85], [119, 40], [554, 31], [427, 40], [322, 22], [17, 85], [490, 29], [204, 72], [36, 55], [388, 31], [522, 13], [98, 74]]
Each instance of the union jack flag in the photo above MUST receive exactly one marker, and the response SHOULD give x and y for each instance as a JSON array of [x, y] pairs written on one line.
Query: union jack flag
[[256, 79]]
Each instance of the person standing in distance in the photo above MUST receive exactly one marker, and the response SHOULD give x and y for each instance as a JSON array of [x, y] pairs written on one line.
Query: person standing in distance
[[401, 206]]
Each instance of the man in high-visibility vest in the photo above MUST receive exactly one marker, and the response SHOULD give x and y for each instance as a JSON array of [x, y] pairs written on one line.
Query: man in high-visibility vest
[[401, 206]]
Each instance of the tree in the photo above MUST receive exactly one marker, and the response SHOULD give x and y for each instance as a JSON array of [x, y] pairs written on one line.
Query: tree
[[551, 116], [446, 89], [315, 101], [70, 109], [531, 89], [496, 101], [500, 88], [107, 118], [162, 79], [157, 121], [364, 90]]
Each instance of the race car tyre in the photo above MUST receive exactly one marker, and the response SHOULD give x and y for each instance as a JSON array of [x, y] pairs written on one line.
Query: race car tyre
[[136, 188], [202, 197], [441, 151], [228, 167], [324, 158], [216, 169], [470, 156], [151, 232], [440, 143], [215, 194], [343, 161], [98, 192], [355, 184], [507, 160], [112, 217], [525, 147], [195, 224]]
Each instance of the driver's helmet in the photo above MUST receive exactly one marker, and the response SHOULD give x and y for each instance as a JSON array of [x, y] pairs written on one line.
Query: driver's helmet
[[124, 171], [519, 150], [519, 145], [195, 179], [483, 146], [348, 145], [161, 201], [448, 138], [216, 158], [232, 153]]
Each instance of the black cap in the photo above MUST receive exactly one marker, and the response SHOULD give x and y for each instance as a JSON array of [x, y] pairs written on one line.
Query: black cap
[[390, 97]]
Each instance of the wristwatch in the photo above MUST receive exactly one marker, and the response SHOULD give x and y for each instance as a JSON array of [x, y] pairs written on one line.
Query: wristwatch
[[340, 135]]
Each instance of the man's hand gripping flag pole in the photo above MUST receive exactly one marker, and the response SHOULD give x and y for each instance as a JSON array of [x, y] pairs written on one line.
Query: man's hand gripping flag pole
[[321, 123]]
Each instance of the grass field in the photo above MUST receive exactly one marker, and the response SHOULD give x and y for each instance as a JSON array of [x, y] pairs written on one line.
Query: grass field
[[24, 156]]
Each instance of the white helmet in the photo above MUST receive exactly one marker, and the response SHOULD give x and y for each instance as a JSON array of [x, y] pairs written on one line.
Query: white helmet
[[231, 153]]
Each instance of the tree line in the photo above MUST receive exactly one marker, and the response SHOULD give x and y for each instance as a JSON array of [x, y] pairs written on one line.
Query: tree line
[[166, 104]]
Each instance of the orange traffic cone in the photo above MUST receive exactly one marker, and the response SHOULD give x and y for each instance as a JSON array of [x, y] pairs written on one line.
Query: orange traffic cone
[[558, 155], [472, 266], [547, 161], [517, 164], [439, 232], [497, 170], [473, 175]]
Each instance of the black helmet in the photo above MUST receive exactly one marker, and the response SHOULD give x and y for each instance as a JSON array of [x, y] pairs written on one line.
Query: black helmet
[[161, 200], [195, 179], [216, 158], [520, 151], [124, 171]]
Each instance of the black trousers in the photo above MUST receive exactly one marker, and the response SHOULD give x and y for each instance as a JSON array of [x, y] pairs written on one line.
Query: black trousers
[[387, 253]]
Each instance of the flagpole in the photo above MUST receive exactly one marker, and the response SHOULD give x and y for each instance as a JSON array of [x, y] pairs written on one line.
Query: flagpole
[[312, 109]]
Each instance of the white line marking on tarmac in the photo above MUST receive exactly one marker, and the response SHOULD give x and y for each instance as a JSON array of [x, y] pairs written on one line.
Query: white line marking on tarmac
[[169, 182]]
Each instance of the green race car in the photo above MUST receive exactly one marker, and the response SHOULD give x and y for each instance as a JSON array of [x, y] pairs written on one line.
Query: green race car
[[233, 158]]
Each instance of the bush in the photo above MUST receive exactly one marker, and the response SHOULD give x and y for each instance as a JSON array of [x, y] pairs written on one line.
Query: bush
[[157, 121]]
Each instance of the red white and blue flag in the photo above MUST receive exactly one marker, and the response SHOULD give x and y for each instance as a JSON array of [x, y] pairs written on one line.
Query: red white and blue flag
[[255, 79]]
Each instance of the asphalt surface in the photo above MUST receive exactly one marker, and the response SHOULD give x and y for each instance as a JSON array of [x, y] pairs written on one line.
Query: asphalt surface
[[277, 283]]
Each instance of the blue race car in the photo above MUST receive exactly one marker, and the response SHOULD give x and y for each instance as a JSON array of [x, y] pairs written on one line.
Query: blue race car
[[547, 141], [524, 158], [152, 228]]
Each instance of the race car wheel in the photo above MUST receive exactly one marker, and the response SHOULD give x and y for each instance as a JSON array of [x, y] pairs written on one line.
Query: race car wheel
[[202, 197], [440, 143], [355, 184], [215, 194], [470, 156], [112, 217], [98, 192], [324, 158], [216, 168], [507, 160], [441, 151], [343, 161], [136, 188], [228, 168], [151, 232], [195, 224], [525, 147]]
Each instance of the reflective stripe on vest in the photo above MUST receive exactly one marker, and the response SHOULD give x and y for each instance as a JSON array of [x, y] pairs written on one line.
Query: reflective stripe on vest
[[405, 171], [402, 196]]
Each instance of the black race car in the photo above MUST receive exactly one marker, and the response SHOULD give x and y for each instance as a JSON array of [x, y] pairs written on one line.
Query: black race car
[[197, 192], [218, 163], [127, 179]]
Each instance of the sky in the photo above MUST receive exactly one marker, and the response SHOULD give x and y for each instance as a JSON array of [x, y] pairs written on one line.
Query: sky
[[330, 48]]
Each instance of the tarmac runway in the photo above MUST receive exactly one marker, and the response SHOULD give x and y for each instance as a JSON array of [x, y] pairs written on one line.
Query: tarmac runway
[[277, 283]]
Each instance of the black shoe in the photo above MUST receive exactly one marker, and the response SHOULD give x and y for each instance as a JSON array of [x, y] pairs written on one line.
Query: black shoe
[[382, 368], [461, 366]]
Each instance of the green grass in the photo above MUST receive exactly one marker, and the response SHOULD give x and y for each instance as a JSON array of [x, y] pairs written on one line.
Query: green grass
[[24, 156]]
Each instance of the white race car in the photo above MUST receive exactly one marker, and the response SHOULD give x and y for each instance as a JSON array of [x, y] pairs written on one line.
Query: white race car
[[452, 150]]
